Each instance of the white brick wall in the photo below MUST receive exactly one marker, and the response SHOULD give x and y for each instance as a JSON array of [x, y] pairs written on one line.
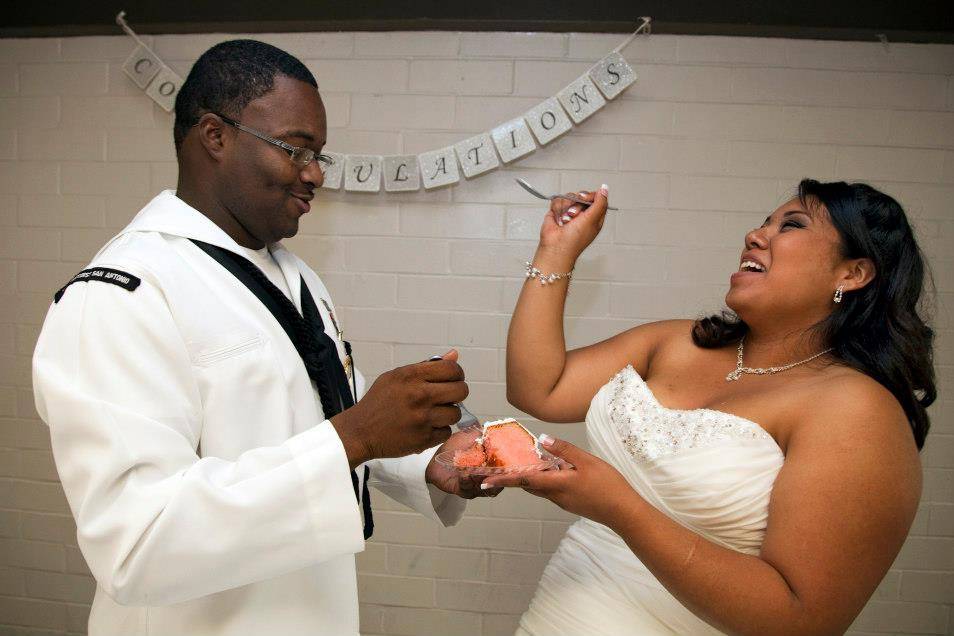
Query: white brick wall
[[714, 134]]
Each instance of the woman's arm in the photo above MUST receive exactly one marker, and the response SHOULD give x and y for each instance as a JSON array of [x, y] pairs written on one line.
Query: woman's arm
[[840, 510], [543, 378]]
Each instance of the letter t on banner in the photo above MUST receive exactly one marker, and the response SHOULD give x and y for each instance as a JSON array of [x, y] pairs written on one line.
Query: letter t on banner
[[477, 155]]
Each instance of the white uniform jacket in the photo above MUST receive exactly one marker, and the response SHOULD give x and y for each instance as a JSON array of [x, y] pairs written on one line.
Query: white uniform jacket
[[210, 493]]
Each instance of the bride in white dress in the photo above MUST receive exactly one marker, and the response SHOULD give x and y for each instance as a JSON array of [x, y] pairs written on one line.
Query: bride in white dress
[[755, 472]]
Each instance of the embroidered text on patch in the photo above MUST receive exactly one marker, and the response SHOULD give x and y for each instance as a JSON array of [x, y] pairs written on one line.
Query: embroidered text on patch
[[103, 275]]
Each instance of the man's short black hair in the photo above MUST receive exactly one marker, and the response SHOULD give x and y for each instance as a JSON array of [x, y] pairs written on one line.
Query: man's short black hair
[[229, 76]]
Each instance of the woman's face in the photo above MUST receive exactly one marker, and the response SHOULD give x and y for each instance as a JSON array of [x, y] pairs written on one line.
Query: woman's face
[[790, 266]]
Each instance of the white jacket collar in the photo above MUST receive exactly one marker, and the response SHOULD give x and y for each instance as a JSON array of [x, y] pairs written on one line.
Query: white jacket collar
[[169, 214]]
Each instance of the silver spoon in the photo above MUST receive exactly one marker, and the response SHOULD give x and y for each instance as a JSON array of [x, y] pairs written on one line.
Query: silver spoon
[[467, 419], [529, 188]]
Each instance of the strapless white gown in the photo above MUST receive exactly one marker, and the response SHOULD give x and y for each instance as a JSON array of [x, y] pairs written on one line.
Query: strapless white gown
[[710, 471]]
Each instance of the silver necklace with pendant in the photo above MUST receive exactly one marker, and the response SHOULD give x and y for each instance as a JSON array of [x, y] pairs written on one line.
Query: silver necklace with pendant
[[740, 370]]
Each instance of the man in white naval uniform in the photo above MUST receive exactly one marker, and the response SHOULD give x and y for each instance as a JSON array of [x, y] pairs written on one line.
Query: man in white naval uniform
[[214, 492]]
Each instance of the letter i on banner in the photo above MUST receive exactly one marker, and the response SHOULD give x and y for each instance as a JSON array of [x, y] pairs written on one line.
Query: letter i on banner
[[513, 140]]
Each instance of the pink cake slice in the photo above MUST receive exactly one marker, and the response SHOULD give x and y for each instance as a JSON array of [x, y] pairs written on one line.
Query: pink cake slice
[[509, 444], [470, 457]]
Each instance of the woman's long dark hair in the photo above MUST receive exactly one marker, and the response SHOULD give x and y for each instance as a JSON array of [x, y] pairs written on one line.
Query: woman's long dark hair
[[877, 329]]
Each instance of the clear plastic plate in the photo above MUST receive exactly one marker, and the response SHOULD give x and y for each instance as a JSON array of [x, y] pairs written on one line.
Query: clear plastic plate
[[548, 461], [446, 458]]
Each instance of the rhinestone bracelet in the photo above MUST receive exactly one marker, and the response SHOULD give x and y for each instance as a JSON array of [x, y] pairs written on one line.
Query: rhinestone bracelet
[[547, 279]]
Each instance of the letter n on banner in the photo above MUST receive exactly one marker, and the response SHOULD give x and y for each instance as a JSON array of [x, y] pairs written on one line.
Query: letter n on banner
[[581, 99]]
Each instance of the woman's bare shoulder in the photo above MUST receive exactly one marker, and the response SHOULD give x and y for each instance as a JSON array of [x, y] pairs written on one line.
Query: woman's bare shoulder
[[847, 410], [645, 341]]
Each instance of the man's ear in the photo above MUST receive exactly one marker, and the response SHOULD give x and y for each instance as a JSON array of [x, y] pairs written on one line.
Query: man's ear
[[211, 131], [860, 272]]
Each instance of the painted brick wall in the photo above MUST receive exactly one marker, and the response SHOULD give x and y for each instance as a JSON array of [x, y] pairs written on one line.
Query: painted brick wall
[[714, 135]]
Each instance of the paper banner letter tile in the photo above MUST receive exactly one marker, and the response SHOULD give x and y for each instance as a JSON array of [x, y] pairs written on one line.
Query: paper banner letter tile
[[401, 173], [477, 155], [142, 66], [164, 88], [547, 121], [581, 99], [612, 75], [439, 168], [513, 140], [362, 173], [334, 172]]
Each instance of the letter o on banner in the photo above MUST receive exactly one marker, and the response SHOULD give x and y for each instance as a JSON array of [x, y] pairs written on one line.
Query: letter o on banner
[[164, 88], [548, 121]]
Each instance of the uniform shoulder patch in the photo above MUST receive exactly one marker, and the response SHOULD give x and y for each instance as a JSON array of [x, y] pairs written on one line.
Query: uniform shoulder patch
[[102, 275]]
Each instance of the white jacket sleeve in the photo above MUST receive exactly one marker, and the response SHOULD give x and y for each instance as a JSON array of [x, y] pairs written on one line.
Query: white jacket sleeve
[[402, 479], [156, 523]]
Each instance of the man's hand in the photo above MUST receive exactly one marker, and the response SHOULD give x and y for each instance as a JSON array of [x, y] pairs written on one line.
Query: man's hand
[[406, 411], [450, 480]]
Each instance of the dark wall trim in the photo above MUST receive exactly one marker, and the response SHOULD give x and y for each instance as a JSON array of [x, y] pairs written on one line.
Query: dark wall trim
[[911, 21]]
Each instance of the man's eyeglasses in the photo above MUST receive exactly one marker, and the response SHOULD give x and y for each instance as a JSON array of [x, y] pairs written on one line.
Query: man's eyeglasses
[[301, 157]]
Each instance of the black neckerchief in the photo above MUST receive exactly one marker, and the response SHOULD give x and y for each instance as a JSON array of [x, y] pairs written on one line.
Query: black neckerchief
[[306, 331]]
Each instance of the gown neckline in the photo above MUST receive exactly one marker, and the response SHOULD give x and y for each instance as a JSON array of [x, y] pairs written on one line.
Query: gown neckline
[[657, 404]]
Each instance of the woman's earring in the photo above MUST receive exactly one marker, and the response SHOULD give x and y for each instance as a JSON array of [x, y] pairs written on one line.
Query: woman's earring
[[839, 293]]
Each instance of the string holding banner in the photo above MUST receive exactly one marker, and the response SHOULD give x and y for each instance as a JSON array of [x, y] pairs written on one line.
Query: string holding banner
[[148, 72], [474, 156]]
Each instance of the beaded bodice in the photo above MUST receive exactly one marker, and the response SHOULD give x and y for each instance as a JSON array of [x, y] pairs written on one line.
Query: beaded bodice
[[651, 431], [709, 470]]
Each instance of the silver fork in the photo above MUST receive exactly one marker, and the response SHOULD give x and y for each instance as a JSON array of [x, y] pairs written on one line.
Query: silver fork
[[529, 188], [467, 419]]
